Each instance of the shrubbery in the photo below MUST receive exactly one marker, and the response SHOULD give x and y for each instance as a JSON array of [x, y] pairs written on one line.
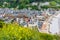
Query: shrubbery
[[16, 32]]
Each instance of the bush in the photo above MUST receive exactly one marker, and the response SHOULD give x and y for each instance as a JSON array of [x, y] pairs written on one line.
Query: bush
[[16, 32], [1, 23]]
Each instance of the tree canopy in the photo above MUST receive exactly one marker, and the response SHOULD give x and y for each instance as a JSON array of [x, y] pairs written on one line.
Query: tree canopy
[[20, 4]]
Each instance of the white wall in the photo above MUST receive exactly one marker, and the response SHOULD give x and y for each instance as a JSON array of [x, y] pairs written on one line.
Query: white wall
[[54, 26]]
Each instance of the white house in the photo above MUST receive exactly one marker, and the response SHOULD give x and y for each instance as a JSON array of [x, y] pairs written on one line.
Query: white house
[[34, 3], [52, 25], [45, 3], [55, 25]]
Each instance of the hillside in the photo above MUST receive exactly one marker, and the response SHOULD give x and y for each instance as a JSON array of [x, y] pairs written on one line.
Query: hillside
[[13, 31], [20, 4]]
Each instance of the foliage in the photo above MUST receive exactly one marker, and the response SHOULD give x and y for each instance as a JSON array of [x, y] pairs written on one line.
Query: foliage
[[45, 7], [34, 7], [1, 23], [16, 32], [53, 3], [20, 4], [54, 7], [58, 1]]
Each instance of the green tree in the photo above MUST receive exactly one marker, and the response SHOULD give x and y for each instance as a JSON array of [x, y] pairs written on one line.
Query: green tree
[[23, 3], [34, 7], [53, 3], [58, 1], [1, 23]]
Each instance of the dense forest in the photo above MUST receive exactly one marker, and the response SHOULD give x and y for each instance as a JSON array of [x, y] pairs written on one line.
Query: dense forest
[[20, 4], [28, 0]]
